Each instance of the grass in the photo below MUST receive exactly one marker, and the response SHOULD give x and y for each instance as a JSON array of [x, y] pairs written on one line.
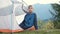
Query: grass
[[51, 31], [40, 31]]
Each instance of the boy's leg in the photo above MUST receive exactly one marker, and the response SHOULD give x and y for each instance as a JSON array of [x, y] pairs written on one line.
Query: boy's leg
[[21, 29], [32, 28]]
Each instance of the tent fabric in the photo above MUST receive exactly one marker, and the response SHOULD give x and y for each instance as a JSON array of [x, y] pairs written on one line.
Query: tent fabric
[[11, 15]]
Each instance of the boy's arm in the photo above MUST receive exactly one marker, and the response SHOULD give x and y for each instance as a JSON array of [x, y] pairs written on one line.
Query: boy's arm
[[35, 22]]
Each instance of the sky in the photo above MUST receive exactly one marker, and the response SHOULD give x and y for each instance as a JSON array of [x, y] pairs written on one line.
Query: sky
[[34, 3], [30, 2], [43, 10]]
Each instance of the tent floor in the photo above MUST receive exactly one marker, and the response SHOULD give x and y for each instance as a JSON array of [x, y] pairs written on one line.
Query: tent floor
[[7, 30]]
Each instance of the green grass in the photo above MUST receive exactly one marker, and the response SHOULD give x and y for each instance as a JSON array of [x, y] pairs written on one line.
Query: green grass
[[52, 31], [40, 31]]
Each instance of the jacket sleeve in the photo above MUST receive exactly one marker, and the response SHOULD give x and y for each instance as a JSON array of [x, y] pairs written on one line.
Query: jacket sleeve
[[35, 22]]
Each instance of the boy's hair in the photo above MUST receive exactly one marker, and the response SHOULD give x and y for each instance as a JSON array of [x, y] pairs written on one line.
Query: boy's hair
[[29, 6]]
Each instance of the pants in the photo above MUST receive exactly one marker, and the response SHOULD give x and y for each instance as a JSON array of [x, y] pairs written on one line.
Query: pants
[[32, 28]]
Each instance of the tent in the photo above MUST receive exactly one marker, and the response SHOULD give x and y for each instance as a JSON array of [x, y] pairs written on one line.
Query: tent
[[11, 15]]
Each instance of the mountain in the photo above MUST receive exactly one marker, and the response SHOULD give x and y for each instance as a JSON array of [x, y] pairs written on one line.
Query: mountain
[[42, 11]]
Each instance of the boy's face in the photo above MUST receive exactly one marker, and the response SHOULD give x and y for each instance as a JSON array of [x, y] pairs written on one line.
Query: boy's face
[[30, 9]]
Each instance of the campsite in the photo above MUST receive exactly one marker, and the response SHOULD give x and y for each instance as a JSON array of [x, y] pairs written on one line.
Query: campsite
[[48, 16]]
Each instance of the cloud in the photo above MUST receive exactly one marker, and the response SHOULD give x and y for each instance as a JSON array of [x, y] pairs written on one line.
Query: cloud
[[30, 2], [48, 1]]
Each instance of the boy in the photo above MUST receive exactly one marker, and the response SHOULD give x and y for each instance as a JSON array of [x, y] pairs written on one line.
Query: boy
[[30, 20]]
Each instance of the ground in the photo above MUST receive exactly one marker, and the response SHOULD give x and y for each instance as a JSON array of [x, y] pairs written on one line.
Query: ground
[[50, 31]]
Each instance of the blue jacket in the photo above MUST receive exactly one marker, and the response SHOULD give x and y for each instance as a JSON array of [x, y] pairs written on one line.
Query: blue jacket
[[29, 21]]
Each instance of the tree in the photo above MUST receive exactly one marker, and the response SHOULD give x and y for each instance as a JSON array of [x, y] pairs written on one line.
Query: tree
[[56, 15]]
